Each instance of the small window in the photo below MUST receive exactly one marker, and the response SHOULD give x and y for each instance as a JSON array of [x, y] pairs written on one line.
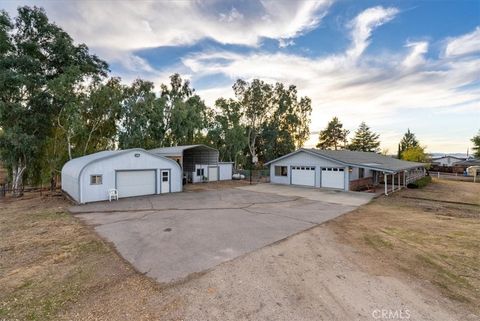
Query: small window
[[95, 179], [340, 169], [164, 176], [200, 172], [361, 173], [281, 171]]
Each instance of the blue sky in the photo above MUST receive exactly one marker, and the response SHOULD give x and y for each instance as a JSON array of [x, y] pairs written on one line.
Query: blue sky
[[394, 64]]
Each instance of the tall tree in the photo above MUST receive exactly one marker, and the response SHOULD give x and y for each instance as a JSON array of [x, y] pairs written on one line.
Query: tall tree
[[415, 154], [143, 122], [34, 52], [334, 136], [476, 145], [365, 140], [227, 132], [255, 99], [408, 141], [184, 113], [288, 126]]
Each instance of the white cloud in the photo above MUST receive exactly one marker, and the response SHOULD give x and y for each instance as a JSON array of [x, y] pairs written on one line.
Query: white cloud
[[363, 25], [416, 55], [466, 44], [375, 89], [133, 25]]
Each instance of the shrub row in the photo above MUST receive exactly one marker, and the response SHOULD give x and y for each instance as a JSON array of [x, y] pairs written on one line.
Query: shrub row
[[422, 182]]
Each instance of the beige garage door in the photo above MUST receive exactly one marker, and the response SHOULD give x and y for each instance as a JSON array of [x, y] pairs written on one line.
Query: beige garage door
[[136, 183]]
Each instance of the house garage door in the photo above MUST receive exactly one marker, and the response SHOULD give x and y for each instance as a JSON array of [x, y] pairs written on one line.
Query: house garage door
[[213, 174], [333, 177], [136, 183], [303, 175]]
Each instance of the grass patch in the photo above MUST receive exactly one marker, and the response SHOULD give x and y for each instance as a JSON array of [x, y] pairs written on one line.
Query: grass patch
[[406, 235]]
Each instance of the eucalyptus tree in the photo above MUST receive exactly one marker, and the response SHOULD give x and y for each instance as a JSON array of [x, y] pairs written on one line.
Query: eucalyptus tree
[[34, 53]]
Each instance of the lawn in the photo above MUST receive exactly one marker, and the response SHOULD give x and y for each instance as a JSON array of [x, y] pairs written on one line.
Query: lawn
[[432, 234]]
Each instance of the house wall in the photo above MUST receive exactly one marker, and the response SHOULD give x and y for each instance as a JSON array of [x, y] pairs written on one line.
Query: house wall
[[446, 161], [126, 161], [302, 159], [354, 174]]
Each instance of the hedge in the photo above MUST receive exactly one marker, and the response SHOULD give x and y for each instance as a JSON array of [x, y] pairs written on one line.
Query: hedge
[[419, 183]]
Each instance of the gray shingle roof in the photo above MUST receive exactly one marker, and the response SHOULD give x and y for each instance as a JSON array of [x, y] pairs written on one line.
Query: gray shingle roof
[[362, 159]]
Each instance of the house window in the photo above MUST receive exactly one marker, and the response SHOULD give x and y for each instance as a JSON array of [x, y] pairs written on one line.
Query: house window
[[95, 179], [281, 171], [361, 172], [200, 172]]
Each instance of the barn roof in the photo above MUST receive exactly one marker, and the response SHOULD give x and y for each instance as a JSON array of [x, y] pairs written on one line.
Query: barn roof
[[75, 166], [360, 159]]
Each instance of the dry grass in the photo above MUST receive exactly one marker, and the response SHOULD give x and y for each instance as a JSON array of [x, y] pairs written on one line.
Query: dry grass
[[435, 238], [50, 261]]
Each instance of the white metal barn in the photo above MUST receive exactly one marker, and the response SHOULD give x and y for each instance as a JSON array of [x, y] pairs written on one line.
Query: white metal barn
[[343, 169], [133, 172], [199, 162]]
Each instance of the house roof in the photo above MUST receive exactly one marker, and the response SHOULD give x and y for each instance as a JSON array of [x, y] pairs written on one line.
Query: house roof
[[177, 150], [468, 162], [360, 159], [447, 156]]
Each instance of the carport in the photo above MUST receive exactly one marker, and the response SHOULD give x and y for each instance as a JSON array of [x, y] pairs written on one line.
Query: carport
[[199, 162]]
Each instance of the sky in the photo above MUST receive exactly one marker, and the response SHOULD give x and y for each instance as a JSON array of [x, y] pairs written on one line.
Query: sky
[[393, 64]]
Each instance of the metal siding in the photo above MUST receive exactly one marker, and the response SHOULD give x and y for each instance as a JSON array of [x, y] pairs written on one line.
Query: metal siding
[[125, 161]]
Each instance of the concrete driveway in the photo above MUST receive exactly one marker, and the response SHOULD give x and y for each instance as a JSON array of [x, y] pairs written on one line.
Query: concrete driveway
[[168, 237]]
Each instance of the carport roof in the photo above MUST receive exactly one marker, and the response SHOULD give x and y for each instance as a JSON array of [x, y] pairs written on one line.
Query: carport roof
[[177, 150], [360, 159]]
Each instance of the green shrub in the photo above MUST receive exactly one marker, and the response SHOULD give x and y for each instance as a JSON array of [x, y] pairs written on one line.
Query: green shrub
[[419, 183]]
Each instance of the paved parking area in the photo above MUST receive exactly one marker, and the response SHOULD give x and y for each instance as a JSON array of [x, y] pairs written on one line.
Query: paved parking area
[[168, 237]]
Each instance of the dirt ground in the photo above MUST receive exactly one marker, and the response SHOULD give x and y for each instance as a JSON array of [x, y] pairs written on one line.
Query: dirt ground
[[398, 253]]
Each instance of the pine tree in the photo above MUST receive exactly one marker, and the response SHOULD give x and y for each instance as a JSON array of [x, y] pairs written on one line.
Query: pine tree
[[365, 140], [408, 141], [334, 136]]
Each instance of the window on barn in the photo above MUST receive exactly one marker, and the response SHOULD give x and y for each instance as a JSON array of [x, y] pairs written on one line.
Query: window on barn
[[200, 172], [95, 179], [281, 171]]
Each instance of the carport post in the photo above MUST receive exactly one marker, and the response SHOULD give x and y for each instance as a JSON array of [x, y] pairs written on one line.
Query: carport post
[[405, 178], [385, 182], [399, 182], [393, 182]]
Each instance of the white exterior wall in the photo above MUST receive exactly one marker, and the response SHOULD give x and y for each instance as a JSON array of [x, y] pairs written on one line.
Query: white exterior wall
[[125, 161], [226, 171], [199, 179], [303, 159], [70, 185]]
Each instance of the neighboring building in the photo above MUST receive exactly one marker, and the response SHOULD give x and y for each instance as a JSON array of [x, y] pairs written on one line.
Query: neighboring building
[[460, 167], [342, 169], [133, 172], [446, 160], [199, 162]]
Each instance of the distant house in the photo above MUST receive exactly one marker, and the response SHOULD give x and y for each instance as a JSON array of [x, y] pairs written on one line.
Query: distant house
[[461, 166], [343, 170], [446, 160]]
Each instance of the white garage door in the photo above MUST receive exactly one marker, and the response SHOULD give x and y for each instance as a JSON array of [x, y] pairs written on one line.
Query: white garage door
[[303, 175], [333, 177], [136, 183], [213, 174]]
